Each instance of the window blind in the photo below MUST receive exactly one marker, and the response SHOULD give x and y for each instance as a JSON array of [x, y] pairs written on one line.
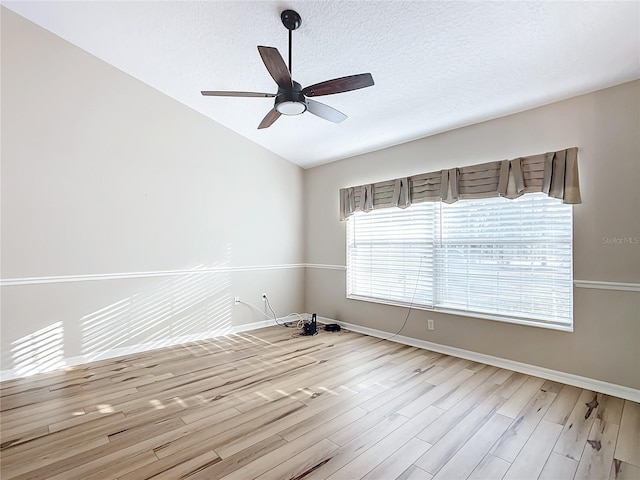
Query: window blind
[[390, 254], [510, 259]]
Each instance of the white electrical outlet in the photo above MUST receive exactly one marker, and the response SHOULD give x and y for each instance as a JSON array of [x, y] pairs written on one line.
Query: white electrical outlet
[[430, 324], [236, 301]]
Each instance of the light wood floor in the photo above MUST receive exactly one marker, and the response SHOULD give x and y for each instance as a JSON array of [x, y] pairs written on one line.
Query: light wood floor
[[337, 405]]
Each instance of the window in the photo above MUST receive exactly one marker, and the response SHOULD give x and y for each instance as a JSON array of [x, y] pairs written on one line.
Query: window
[[493, 258]]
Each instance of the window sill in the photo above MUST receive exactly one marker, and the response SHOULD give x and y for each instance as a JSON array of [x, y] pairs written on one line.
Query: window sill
[[462, 313]]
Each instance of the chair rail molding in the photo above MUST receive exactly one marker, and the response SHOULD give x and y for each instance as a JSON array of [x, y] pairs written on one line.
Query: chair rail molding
[[8, 282], [598, 285]]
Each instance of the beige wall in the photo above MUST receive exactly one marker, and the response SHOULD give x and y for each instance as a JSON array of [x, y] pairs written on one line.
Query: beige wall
[[604, 125], [102, 174]]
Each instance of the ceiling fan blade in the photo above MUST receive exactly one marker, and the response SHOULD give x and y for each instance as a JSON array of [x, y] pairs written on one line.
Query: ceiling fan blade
[[268, 120], [276, 66], [210, 93], [325, 111], [339, 85]]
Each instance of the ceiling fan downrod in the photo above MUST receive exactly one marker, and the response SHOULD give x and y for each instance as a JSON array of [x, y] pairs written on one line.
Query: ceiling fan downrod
[[291, 20]]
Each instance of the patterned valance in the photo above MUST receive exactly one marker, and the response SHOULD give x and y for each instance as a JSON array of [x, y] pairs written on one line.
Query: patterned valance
[[554, 173]]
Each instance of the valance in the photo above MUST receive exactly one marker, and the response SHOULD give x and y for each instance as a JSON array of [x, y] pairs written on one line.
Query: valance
[[553, 173]]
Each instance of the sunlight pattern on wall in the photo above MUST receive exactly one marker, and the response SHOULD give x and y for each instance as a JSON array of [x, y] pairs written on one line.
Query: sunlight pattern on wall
[[40, 351], [182, 306]]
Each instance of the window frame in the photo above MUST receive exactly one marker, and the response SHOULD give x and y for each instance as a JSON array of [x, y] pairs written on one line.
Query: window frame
[[519, 320]]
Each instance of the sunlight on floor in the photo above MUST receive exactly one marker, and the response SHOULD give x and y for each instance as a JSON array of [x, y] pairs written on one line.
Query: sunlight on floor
[[105, 408]]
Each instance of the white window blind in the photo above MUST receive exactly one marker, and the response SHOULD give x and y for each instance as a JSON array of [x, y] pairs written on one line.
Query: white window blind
[[506, 259]]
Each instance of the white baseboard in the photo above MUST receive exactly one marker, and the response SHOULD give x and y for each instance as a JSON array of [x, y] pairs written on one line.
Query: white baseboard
[[144, 347], [554, 375]]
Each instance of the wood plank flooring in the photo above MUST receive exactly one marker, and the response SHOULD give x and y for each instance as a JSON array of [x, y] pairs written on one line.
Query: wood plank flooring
[[269, 405]]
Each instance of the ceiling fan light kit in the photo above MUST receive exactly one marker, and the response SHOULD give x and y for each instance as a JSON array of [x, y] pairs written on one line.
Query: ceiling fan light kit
[[291, 102], [291, 107], [291, 98]]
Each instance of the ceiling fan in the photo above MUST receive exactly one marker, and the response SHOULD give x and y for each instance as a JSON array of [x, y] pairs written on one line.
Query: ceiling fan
[[291, 98]]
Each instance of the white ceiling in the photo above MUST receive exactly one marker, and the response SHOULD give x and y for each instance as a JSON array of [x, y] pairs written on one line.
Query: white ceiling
[[436, 65]]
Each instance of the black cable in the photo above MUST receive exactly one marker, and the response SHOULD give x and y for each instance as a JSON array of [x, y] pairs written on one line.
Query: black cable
[[300, 334]]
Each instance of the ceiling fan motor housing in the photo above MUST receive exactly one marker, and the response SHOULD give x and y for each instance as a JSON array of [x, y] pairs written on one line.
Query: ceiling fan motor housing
[[291, 101]]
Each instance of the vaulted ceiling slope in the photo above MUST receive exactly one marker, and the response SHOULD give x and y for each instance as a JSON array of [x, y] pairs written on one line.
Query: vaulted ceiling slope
[[436, 65]]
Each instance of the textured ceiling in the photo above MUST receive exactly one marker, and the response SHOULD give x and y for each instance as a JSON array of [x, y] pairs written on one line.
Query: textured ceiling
[[436, 65]]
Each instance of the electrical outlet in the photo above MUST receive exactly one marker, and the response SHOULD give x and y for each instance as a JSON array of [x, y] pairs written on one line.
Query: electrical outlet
[[264, 297], [430, 325], [236, 301]]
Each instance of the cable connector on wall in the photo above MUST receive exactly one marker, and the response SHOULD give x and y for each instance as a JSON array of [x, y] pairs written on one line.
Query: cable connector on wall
[[264, 297]]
